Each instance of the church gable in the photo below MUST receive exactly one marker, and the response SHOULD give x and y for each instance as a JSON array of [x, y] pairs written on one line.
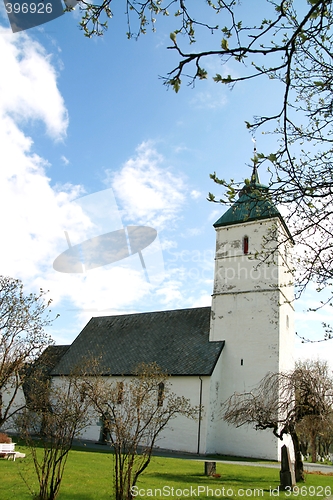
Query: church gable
[[178, 341]]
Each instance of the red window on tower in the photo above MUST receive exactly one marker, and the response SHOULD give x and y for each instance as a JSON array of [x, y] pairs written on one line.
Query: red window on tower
[[246, 245]]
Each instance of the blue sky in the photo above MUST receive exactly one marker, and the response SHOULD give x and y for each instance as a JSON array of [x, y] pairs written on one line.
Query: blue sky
[[78, 116]]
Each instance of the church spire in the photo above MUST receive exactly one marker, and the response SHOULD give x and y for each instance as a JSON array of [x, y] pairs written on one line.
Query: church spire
[[253, 185], [255, 176], [253, 203]]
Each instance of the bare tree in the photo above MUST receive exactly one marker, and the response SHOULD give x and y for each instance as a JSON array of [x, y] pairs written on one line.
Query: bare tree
[[316, 424], [23, 318], [135, 411], [54, 416], [325, 439], [283, 400], [309, 430]]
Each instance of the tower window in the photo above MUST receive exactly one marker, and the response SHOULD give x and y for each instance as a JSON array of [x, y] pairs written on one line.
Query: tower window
[[246, 245], [242, 362]]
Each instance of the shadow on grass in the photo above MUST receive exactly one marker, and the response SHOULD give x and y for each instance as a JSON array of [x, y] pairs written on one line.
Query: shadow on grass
[[103, 449], [234, 479], [202, 479], [79, 496]]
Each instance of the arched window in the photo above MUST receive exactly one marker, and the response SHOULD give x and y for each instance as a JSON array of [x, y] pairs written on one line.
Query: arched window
[[246, 245]]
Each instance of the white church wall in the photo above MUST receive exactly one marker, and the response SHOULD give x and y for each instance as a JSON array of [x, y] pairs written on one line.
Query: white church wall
[[92, 431], [214, 415], [181, 434], [287, 305], [243, 321], [18, 403], [286, 335], [225, 439]]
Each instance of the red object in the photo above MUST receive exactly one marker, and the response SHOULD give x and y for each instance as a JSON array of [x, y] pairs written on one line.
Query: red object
[[246, 245]]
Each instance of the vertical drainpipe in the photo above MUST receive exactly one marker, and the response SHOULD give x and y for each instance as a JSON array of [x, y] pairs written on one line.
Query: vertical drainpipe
[[199, 425]]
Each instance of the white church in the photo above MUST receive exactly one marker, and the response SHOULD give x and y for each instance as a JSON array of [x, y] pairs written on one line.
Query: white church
[[211, 352]]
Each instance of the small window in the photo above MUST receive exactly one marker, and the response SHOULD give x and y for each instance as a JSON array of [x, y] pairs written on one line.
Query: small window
[[160, 396], [242, 362], [120, 392], [246, 245]]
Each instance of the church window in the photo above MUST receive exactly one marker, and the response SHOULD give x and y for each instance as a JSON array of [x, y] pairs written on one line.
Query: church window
[[242, 362], [120, 392], [160, 396], [246, 245]]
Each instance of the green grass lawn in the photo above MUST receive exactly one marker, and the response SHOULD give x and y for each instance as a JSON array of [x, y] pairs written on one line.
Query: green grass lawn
[[89, 476]]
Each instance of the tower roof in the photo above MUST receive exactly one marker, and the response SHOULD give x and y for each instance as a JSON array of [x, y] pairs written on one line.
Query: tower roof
[[254, 203]]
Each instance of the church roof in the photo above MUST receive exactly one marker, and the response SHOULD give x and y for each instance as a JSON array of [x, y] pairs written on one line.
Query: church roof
[[33, 384], [178, 341], [254, 203], [51, 357]]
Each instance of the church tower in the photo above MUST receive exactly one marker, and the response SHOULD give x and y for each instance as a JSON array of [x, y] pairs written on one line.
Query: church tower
[[252, 307]]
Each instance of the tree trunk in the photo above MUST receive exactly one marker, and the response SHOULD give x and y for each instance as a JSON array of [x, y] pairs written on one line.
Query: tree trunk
[[313, 446], [299, 470]]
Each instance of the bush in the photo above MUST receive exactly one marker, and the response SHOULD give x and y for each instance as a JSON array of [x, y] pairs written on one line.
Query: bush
[[4, 438]]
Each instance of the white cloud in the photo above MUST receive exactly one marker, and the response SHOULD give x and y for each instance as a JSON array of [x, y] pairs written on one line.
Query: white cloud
[[100, 289], [314, 351], [195, 194], [205, 299], [193, 231], [209, 100], [28, 87], [170, 294], [64, 160], [31, 210], [151, 192]]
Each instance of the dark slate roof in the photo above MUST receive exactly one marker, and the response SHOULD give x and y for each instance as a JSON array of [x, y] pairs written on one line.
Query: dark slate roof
[[51, 357], [254, 203], [178, 341]]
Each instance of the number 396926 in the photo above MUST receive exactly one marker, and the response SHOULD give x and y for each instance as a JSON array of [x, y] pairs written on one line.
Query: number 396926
[[28, 8]]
